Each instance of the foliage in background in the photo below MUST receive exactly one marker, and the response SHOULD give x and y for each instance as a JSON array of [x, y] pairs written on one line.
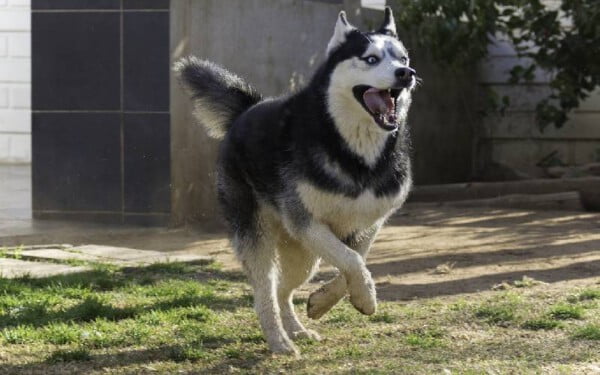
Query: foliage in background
[[457, 34]]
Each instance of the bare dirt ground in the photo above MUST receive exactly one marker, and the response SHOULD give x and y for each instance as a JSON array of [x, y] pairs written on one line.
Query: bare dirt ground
[[425, 252]]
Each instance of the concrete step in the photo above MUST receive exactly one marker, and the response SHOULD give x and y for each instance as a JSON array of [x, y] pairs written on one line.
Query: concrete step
[[109, 254], [59, 255], [127, 256], [34, 259], [12, 268]]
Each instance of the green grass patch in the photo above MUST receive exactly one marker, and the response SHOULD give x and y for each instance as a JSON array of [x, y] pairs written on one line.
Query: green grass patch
[[588, 332], [61, 333], [564, 312], [589, 294], [525, 282], [187, 352], [425, 338], [349, 351], [383, 317], [540, 324], [341, 315], [496, 314], [170, 268], [65, 355], [76, 262], [11, 252], [21, 334], [501, 310], [162, 308]]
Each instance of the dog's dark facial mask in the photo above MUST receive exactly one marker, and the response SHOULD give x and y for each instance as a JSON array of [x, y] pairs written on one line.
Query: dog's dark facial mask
[[378, 71]]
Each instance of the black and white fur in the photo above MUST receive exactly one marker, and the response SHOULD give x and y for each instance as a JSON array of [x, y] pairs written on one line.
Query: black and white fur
[[310, 176]]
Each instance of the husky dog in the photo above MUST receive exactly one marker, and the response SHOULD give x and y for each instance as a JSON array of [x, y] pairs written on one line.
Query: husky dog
[[313, 175]]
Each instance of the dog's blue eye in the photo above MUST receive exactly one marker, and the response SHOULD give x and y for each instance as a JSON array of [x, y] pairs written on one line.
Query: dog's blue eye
[[372, 60], [404, 60]]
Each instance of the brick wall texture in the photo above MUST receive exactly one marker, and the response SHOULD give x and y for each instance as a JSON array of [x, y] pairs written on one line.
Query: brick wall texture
[[15, 81]]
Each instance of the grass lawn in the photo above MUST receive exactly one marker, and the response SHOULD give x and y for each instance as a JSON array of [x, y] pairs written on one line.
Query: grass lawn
[[182, 318]]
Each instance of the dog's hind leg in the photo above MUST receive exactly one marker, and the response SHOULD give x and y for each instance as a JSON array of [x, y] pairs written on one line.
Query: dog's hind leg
[[324, 298], [258, 256], [297, 265]]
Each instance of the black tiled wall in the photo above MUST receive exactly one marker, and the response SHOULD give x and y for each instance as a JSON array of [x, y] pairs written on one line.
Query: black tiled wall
[[100, 101], [74, 4], [142, 33], [76, 61]]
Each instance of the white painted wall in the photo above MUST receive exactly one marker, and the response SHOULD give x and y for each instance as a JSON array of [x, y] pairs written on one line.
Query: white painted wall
[[15, 81], [373, 4]]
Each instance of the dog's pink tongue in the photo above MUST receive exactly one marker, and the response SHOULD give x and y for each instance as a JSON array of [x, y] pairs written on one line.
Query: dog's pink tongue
[[378, 101]]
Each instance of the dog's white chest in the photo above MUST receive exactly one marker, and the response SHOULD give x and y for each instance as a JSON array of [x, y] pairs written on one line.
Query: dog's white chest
[[345, 215]]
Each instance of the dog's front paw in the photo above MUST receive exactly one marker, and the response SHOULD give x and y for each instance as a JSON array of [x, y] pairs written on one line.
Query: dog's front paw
[[285, 347], [306, 334], [363, 297], [321, 301]]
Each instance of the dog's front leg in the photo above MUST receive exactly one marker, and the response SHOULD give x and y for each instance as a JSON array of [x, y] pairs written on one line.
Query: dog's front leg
[[323, 299], [351, 264]]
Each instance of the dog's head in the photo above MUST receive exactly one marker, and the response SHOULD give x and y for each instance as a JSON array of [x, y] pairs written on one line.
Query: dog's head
[[373, 68]]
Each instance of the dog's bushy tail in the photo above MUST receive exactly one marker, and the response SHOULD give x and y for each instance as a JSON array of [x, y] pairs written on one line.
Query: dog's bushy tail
[[219, 96]]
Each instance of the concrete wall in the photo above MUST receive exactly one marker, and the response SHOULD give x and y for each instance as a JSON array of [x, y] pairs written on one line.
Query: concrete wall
[[15, 81], [276, 45], [514, 139]]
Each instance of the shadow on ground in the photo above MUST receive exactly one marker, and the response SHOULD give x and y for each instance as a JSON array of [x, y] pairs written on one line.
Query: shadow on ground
[[479, 248]]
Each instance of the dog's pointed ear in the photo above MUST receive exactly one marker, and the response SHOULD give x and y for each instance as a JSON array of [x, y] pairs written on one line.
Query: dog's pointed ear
[[389, 24], [342, 28]]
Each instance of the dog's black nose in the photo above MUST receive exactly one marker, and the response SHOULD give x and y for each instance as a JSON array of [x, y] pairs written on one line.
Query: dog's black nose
[[405, 72]]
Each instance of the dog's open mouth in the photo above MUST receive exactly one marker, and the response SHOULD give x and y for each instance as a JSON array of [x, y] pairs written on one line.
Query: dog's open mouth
[[381, 104]]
